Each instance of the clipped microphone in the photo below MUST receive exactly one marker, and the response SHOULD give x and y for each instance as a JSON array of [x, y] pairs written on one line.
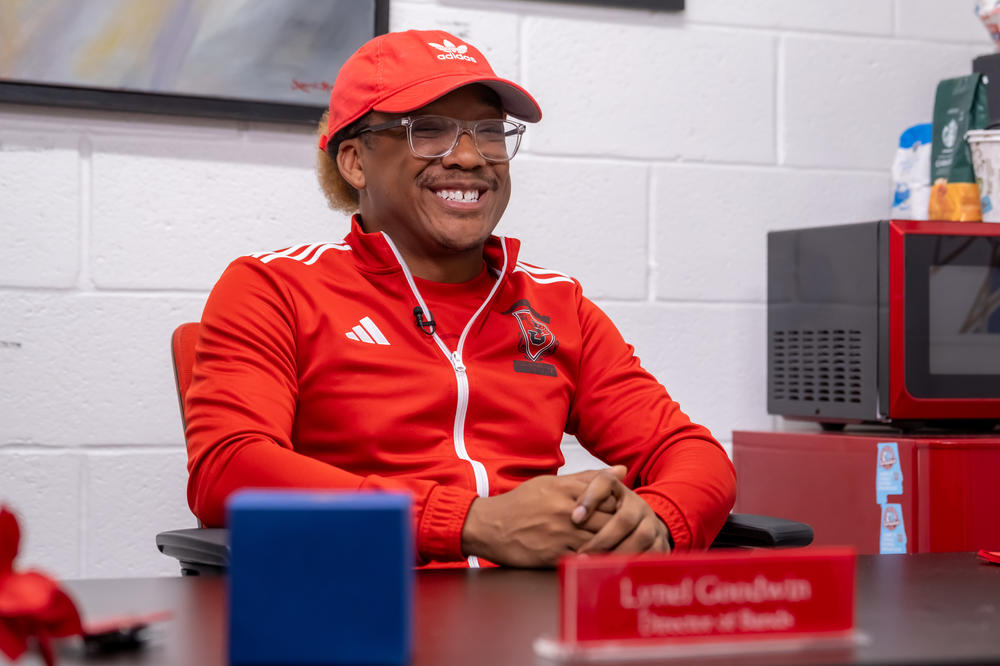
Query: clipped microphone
[[428, 326]]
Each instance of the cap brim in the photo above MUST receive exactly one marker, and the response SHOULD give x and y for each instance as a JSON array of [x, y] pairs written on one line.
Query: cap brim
[[515, 100]]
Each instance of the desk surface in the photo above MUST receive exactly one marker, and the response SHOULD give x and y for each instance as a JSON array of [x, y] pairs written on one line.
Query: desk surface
[[916, 609]]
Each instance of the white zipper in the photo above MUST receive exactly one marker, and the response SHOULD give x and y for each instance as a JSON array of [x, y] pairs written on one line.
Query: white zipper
[[461, 377]]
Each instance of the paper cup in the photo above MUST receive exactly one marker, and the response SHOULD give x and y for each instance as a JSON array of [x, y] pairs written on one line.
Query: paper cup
[[985, 147]]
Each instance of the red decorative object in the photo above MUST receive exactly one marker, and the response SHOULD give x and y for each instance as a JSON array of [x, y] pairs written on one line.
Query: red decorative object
[[991, 556], [32, 605]]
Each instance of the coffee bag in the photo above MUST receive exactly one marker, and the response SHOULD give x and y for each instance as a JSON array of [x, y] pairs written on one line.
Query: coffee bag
[[959, 106]]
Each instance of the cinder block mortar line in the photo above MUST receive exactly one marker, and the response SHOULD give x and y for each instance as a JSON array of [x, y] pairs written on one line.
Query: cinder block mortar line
[[520, 46], [887, 37], [762, 30], [708, 26], [101, 449], [779, 100], [711, 302], [522, 72], [36, 448], [677, 304], [84, 280], [703, 27], [894, 9], [104, 124], [28, 288], [640, 18], [892, 37], [620, 301], [92, 291], [659, 161], [608, 15], [82, 518], [152, 292], [652, 269], [140, 292], [970, 42]]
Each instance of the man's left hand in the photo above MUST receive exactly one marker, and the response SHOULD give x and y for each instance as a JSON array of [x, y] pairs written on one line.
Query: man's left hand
[[634, 528]]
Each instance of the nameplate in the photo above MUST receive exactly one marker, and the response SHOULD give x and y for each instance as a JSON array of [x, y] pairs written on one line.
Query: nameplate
[[746, 595]]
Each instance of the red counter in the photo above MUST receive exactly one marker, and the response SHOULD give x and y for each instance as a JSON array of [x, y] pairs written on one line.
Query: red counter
[[951, 486]]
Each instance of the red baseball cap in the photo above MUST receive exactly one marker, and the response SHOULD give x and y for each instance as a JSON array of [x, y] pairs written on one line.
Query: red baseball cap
[[402, 71]]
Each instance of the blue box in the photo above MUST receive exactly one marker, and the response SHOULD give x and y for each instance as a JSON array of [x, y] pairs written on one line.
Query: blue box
[[320, 578]]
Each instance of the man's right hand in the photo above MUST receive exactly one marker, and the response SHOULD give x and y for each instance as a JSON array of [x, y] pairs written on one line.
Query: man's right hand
[[530, 525]]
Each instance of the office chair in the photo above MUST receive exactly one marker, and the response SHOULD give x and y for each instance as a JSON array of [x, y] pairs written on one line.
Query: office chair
[[205, 551]]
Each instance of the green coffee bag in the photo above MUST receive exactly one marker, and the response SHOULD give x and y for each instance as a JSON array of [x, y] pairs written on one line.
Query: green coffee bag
[[959, 105]]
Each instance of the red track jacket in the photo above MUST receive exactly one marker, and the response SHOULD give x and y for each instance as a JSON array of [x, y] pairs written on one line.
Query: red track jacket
[[312, 373]]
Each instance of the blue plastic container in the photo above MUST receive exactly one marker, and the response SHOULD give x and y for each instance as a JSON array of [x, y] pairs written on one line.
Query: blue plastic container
[[320, 578]]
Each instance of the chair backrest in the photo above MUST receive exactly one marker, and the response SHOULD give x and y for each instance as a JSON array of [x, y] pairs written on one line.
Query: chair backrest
[[182, 344], [182, 347]]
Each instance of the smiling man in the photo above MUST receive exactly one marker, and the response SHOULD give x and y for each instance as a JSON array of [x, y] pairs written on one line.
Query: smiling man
[[419, 354]]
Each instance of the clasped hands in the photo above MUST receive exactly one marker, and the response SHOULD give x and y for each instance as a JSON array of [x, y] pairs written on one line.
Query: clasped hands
[[548, 517]]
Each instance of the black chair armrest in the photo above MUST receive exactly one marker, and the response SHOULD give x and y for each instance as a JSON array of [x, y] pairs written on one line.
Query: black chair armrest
[[205, 551], [747, 529], [200, 550]]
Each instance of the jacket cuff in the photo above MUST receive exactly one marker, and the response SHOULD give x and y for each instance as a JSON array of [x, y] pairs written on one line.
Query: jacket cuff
[[680, 532], [439, 535]]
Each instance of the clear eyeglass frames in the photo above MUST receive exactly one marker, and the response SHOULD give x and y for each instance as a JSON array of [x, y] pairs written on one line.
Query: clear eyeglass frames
[[431, 137]]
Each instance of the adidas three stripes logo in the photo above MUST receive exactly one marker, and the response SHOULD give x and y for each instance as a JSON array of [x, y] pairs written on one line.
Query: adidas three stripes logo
[[367, 332]]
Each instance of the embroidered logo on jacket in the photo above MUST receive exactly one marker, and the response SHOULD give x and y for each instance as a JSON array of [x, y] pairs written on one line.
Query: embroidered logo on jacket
[[366, 331], [537, 340]]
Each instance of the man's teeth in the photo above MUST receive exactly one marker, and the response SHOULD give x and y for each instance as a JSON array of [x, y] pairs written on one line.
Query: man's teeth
[[458, 195]]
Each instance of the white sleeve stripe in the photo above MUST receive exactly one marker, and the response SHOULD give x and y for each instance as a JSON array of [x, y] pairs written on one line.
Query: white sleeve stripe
[[363, 335], [304, 250], [543, 280], [370, 326], [287, 254], [284, 253], [535, 270], [329, 246]]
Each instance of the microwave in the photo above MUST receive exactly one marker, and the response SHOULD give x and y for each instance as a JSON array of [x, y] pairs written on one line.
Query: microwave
[[892, 322]]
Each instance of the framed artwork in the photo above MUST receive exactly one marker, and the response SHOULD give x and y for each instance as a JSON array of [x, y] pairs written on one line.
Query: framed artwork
[[271, 60]]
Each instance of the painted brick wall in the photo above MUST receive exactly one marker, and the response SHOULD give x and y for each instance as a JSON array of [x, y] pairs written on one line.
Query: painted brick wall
[[671, 143]]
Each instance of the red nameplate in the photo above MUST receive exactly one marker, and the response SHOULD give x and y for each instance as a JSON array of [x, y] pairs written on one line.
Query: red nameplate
[[707, 596]]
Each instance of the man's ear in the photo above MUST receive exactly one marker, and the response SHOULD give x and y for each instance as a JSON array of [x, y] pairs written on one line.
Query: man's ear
[[350, 164]]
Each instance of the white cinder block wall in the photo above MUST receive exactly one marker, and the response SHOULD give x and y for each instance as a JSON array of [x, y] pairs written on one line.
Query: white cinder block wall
[[670, 144]]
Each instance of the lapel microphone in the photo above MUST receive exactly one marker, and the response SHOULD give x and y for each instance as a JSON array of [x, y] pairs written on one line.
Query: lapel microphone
[[428, 326]]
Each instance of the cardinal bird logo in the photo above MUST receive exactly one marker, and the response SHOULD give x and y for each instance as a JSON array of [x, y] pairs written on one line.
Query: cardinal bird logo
[[536, 339]]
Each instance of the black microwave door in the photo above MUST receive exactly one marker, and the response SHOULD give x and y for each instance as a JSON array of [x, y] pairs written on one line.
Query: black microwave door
[[952, 297]]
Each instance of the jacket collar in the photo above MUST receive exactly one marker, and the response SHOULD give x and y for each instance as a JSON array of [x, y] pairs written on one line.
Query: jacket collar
[[373, 253]]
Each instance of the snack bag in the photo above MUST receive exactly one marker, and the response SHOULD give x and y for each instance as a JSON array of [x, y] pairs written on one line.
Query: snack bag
[[911, 174], [959, 105]]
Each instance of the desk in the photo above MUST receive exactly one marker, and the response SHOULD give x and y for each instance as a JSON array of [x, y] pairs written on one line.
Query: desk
[[917, 609]]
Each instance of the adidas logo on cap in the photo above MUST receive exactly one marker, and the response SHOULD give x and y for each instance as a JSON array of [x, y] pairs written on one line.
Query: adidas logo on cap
[[451, 52]]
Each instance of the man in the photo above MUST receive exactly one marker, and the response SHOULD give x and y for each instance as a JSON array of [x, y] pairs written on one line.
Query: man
[[419, 354]]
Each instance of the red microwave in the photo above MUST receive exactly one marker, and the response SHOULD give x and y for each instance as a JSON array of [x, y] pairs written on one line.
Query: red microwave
[[894, 322]]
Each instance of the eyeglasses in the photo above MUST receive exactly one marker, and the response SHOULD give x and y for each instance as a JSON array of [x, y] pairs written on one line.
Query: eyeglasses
[[431, 137]]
